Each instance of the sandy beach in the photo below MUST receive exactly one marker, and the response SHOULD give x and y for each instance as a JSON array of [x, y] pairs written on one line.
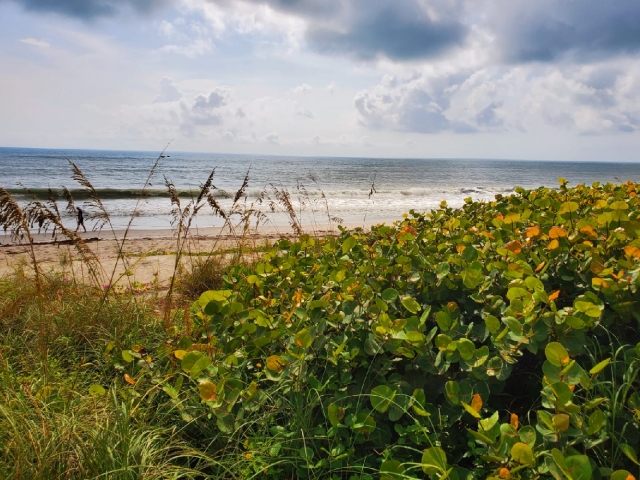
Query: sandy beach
[[150, 255]]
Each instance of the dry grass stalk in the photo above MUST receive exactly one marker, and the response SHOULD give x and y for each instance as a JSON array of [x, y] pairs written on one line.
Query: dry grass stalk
[[13, 219]]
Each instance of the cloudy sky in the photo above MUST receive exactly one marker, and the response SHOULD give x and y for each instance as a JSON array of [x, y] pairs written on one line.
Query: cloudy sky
[[544, 79]]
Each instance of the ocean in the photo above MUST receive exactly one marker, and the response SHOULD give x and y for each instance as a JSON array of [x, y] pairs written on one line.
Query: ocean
[[343, 186]]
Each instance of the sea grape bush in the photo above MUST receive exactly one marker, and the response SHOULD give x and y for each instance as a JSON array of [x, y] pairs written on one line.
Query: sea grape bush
[[497, 340]]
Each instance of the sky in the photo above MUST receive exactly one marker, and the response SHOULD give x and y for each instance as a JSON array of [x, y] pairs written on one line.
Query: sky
[[544, 79]]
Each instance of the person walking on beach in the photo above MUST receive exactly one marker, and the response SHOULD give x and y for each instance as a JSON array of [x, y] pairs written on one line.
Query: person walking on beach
[[80, 219]]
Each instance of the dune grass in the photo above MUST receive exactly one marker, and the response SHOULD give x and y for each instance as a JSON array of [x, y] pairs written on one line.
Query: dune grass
[[491, 341]]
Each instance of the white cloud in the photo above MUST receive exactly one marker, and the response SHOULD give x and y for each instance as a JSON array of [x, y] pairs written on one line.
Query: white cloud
[[302, 89], [35, 42], [197, 48], [169, 91], [272, 138], [586, 99]]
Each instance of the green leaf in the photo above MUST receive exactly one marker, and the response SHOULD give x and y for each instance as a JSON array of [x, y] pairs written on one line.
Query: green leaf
[[493, 324], [335, 414], [442, 341], [443, 319], [303, 338], [410, 304], [274, 450], [381, 397], [629, 451], [201, 364], [306, 454], [479, 436], [544, 418], [469, 254], [363, 423], [588, 308], [515, 293], [170, 391], [595, 422], [522, 453], [452, 389], [391, 470], [127, 356], [471, 278], [557, 354], [389, 295], [600, 366], [419, 403], [578, 467], [189, 360], [348, 244], [216, 295], [527, 435], [619, 205], [466, 348], [621, 475], [568, 207], [434, 461], [442, 270], [97, 390], [225, 422]]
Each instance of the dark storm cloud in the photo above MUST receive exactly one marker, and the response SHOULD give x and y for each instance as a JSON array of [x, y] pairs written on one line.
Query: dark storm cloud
[[367, 29], [547, 30], [91, 9], [397, 32], [314, 8]]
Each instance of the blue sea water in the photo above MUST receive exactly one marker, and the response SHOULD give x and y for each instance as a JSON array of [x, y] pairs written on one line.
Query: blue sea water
[[400, 184]]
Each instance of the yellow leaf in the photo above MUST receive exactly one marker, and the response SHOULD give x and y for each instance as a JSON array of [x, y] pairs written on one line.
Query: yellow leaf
[[487, 235], [596, 267], [207, 391], [560, 422], [553, 244], [631, 251], [540, 267], [247, 456], [619, 275], [476, 402], [470, 410], [129, 380], [513, 421], [554, 295], [514, 246], [460, 248], [557, 232], [589, 231], [179, 354], [600, 282], [532, 232], [275, 363]]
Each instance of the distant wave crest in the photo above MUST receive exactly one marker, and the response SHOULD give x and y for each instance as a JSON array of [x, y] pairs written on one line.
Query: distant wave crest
[[133, 193]]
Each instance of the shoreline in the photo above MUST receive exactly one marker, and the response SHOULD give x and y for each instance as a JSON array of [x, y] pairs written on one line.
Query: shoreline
[[149, 254]]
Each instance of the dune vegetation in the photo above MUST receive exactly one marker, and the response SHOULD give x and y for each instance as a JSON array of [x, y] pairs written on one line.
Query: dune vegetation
[[495, 340]]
